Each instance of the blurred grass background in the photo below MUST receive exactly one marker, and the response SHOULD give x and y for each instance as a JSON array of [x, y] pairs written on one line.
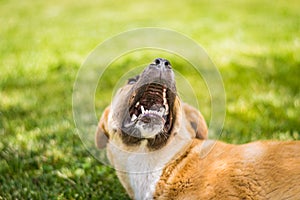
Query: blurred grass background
[[255, 44]]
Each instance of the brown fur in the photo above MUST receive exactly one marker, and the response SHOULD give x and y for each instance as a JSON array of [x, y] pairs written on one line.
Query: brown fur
[[214, 170], [259, 170], [196, 120]]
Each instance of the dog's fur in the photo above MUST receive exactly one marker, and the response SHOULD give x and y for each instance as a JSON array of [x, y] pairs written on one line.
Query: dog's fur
[[183, 163]]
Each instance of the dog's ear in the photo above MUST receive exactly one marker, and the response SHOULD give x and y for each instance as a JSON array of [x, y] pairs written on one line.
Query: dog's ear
[[196, 120], [102, 136]]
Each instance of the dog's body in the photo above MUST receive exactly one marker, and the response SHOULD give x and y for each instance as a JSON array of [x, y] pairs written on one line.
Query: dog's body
[[160, 149], [259, 170]]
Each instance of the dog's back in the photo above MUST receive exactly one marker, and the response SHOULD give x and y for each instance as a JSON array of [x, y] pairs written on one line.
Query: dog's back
[[215, 170]]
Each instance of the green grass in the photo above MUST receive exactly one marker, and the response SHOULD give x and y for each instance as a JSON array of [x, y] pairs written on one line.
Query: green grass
[[255, 44]]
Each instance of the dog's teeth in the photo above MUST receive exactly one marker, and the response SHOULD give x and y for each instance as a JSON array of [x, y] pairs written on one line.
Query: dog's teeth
[[165, 96], [161, 112], [165, 101], [167, 109], [166, 104], [137, 104], [143, 110], [134, 117]]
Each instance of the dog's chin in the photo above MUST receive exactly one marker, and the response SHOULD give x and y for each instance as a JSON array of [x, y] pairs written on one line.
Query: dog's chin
[[146, 126]]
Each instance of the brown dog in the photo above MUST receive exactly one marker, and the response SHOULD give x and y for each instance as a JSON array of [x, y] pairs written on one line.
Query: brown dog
[[160, 149]]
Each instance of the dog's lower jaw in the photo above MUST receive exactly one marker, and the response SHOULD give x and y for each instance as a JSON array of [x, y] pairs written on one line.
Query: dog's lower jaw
[[149, 130]]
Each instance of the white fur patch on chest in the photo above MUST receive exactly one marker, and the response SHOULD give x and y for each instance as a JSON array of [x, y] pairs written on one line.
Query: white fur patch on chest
[[142, 176], [143, 168]]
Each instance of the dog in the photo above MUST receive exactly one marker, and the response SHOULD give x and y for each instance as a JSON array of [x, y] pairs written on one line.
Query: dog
[[160, 150]]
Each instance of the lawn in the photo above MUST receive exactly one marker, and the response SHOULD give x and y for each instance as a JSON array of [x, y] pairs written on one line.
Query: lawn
[[254, 44]]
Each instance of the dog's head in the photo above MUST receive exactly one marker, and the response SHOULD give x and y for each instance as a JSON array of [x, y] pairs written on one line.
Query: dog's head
[[149, 109]]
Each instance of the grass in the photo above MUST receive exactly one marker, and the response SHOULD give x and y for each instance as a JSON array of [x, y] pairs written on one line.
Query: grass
[[255, 44]]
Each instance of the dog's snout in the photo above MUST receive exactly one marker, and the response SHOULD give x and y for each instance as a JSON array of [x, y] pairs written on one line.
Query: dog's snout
[[162, 63], [159, 72]]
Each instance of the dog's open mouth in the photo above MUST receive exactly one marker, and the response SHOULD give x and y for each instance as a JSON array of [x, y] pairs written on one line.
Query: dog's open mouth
[[150, 100], [150, 111]]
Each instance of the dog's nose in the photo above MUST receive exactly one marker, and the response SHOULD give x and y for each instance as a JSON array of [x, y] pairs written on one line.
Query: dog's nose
[[162, 63]]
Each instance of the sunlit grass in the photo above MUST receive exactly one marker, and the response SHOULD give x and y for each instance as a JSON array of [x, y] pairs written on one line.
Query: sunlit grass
[[255, 45]]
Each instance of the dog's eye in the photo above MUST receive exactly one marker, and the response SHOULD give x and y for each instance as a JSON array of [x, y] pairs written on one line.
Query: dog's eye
[[133, 80]]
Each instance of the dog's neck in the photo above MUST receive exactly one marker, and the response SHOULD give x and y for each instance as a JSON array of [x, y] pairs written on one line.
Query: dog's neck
[[143, 168]]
